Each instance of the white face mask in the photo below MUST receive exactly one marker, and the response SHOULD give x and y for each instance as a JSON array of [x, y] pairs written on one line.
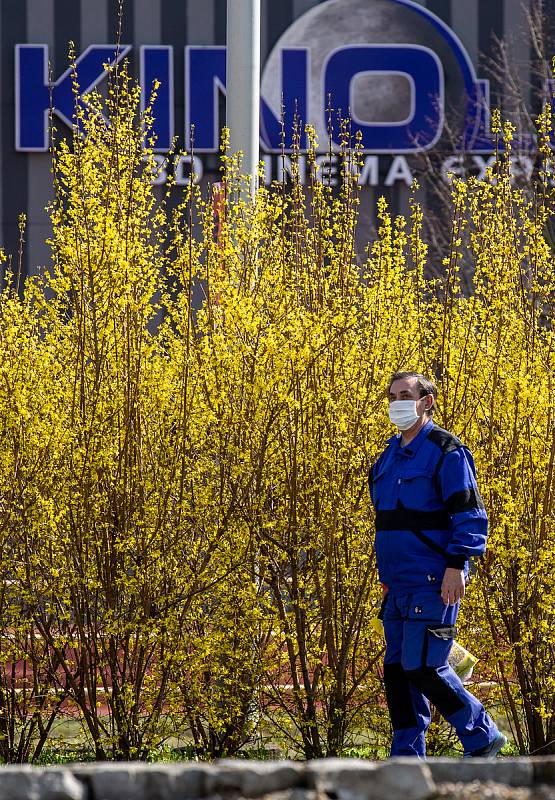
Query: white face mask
[[402, 413]]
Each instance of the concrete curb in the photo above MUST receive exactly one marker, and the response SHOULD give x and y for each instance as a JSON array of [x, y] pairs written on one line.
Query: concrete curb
[[327, 779], [509, 771]]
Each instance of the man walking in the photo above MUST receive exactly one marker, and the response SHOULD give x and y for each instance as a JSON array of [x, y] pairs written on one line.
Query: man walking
[[430, 519]]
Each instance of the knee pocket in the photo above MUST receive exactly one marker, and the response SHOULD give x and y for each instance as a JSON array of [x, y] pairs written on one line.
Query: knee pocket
[[399, 697], [423, 674], [437, 689]]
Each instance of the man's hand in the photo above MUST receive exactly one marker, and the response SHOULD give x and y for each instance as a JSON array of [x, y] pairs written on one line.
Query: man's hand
[[452, 587]]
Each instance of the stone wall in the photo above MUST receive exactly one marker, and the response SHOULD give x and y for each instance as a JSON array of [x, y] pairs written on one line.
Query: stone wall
[[331, 779]]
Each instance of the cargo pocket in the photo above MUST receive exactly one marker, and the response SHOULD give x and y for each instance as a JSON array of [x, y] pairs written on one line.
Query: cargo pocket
[[439, 642], [425, 611]]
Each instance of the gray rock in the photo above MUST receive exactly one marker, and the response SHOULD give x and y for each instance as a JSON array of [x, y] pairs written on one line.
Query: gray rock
[[483, 791], [510, 771], [19, 783], [138, 781], [355, 779], [253, 778], [35, 783], [327, 775], [296, 794], [544, 769], [543, 791], [60, 785]]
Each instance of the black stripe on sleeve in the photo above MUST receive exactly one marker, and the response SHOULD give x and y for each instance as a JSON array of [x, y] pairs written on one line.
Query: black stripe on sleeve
[[466, 500]]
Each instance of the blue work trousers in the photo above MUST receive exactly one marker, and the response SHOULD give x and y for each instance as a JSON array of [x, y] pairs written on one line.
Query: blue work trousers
[[416, 671]]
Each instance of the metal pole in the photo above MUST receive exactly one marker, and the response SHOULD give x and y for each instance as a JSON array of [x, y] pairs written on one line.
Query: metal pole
[[243, 84]]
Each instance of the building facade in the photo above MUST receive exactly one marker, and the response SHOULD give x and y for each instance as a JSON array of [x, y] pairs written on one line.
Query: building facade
[[181, 39]]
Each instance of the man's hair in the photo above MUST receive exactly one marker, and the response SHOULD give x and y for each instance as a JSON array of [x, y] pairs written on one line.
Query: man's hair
[[425, 386]]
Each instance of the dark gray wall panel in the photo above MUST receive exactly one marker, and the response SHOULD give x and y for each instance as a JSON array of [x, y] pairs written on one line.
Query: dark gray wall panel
[[94, 22], [220, 21], [40, 29], [491, 24], [67, 27], [200, 21], [127, 20], [13, 30], [442, 8], [464, 21], [174, 32]]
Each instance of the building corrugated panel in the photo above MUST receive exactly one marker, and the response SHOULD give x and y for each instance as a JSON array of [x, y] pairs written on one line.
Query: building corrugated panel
[[26, 176]]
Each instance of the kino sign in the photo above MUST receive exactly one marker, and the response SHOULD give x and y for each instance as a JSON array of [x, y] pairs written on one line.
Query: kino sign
[[306, 69]]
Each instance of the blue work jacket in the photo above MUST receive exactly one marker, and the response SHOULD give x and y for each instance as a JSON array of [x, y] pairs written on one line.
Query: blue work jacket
[[429, 513]]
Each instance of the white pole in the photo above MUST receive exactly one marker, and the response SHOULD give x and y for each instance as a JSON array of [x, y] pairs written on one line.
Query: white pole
[[243, 84]]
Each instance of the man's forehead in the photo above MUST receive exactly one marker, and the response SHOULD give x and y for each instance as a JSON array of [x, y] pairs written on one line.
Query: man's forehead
[[404, 385]]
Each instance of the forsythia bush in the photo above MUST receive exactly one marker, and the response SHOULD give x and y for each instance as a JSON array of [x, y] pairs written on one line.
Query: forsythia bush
[[189, 404]]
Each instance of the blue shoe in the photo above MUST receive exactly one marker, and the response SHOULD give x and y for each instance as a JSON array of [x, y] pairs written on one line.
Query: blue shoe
[[490, 750]]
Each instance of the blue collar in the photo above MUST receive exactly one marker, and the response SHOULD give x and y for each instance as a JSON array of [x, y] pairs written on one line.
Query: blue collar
[[412, 448]]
